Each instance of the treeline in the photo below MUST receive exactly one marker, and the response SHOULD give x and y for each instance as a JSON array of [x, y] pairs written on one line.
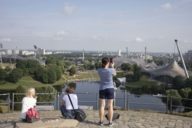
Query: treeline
[[48, 73]]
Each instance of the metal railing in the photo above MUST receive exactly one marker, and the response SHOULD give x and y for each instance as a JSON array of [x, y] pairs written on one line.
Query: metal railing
[[17, 99], [5, 100], [169, 104]]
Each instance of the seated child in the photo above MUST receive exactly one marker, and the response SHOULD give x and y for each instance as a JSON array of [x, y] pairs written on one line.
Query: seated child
[[66, 107], [29, 101]]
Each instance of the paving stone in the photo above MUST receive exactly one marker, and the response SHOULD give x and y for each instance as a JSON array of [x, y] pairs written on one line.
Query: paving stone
[[128, 119]]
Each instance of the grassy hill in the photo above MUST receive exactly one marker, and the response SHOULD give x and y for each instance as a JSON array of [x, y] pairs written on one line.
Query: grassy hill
[[27, 81]]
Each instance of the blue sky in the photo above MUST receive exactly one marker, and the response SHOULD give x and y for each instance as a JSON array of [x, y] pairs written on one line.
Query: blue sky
[[96, 24]]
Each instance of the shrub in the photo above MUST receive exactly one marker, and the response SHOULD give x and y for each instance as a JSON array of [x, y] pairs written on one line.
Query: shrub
[[4, 108], [15, 75], [28, 66], [72, 70], [51, 73], [125, 67], [178, 82], [186, 93], [3, 74], [47, 97], [188, 82], [41, 75], [174, 99], [18, 98]]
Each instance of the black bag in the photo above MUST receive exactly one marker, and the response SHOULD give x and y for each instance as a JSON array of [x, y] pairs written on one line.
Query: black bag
[[115, 116], [80, 115], [117, 81]]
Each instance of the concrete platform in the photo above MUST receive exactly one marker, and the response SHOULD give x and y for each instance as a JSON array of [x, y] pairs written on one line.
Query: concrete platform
[[52, 123]]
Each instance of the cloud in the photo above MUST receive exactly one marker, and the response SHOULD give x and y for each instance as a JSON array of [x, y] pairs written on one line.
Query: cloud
[[5, 40], [69, 9], [167, 6], [138, 39], [60, 35]]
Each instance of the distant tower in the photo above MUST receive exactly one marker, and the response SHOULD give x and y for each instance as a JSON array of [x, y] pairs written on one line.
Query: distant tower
[[181, 56], [83, 58], [145, 54], [1, 47], [119, 52], [127, 54]]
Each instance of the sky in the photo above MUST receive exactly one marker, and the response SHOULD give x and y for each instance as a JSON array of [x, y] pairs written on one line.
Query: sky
[[96, 25]]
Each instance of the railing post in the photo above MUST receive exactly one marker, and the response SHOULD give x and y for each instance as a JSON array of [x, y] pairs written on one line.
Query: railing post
[[167, 104], [125, 103], [13, 100], [9, 103], [171, 105], [58, 101], [97, 101]]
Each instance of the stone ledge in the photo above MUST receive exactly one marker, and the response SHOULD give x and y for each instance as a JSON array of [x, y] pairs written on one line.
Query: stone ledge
[[54, 123]]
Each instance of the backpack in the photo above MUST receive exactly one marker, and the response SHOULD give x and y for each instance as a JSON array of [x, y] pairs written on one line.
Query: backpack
[[115, 116], [80, 115], [32, 115]]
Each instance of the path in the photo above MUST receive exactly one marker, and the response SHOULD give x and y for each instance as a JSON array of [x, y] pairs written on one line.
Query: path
[[128, 119]]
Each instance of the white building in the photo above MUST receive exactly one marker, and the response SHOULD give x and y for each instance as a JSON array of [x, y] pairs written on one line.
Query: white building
[[119, 52], [15, 52], [26, 52]]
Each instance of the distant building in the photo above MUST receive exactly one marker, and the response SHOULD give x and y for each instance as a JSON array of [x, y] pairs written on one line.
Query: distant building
[[6, 52], [15, 52], [188, 56], [119, 52], [26, 52], [40, 51]]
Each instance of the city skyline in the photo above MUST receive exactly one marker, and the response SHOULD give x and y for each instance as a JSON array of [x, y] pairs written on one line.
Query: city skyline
[[97, 24]]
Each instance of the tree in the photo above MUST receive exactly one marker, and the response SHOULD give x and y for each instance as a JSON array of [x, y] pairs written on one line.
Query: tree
[[3, 74], [126, 67], [41, 75], [174, 99], [136, 72], [188, 82], [18, 98], [15, 75], [49, 97], [28, 66], [51, 75], [178, 82], [98, 64], [72, 70], [58, 71], [186, 93]]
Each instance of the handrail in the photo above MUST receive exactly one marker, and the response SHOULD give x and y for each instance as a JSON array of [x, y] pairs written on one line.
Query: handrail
[[169, 104]]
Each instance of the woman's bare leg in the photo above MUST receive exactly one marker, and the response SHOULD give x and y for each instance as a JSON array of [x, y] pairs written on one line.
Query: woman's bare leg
[[110, 109], [101, 109]]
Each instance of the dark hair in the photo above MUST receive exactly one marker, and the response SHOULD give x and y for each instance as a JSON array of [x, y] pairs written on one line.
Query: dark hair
[[111, 60], [71, 87], [105, 60]]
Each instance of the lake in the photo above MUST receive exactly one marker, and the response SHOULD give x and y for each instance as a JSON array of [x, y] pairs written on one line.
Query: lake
[[88, 95]]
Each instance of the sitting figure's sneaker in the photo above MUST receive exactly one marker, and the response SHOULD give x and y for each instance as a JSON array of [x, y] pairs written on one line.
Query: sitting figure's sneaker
[[100, 123]]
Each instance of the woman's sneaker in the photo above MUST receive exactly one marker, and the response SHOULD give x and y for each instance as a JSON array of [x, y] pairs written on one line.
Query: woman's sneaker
[[110, 124], [100, 123]]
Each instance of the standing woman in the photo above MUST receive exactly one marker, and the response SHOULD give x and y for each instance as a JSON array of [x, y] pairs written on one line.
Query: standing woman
[[106, 90]]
